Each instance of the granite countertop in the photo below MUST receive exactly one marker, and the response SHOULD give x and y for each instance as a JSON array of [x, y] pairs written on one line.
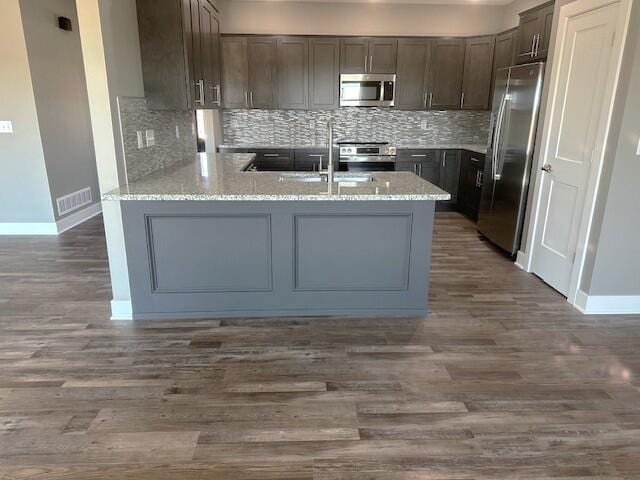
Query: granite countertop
[[472, 147], [220, 177]]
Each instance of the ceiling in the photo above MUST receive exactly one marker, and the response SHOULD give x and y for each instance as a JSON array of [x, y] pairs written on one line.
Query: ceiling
[[415, 2]]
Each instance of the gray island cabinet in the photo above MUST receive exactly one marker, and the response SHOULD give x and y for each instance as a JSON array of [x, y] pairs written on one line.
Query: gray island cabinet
[[207, 239]]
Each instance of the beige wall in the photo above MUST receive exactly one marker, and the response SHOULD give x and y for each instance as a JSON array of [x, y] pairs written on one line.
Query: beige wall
[[360, 18], [613, 260], [57, 71], [24, 190], [511, 15]]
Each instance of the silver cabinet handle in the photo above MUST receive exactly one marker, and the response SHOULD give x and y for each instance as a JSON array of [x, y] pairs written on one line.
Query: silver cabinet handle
[[415, 168], [430, 98], [218, 97], [419, 155], [425, 100], [251, 97], [200, 92], [538, 44], [420, 169], [473, 159], [365, 64], [479, 178], [533, 45], [370, 63], [444, 159], [462, 100], [246, 99], [316, 156]]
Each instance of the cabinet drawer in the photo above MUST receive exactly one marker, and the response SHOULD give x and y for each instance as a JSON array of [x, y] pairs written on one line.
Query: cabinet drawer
[[278, 160], [309, 160], [477, 160], [416, 155]]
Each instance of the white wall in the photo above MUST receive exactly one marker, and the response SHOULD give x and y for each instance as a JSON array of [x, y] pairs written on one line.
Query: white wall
[[57, 72], [310, 18], [512, 11], [24, 189]]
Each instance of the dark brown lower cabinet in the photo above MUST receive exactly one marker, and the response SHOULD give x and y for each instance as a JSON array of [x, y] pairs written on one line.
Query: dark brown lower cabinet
[[274, 160], [470, 185], [312, 160], [449, 176], [424, 163]]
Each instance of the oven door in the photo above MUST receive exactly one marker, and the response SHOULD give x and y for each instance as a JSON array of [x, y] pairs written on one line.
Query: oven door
[[367, 90], [382, 163]]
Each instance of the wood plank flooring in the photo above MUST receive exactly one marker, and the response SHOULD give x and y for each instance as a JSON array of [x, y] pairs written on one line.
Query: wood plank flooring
[[502, 380]]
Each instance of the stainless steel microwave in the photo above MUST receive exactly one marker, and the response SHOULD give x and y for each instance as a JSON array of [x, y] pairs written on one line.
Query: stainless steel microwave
[[367, 90]]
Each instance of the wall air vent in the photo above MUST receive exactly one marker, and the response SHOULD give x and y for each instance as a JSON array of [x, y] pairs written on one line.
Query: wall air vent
[[73, 201]]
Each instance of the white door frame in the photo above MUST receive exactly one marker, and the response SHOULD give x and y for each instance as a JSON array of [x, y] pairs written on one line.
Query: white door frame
[[584, 231]]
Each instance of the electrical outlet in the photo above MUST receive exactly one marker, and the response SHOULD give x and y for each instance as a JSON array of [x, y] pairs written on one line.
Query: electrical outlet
[[177, 131], [151, 137], [6, 127], [423, 125], [140, 139]]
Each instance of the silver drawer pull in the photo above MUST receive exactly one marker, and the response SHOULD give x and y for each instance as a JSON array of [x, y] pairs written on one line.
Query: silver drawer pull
[[316, 156], [419, 155], [473, 159], [270, 155]]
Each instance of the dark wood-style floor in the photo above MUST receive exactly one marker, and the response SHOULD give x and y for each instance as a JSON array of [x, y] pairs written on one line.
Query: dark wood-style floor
[[502, 380]]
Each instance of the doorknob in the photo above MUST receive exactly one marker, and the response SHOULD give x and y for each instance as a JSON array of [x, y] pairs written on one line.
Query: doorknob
[[547, 168]]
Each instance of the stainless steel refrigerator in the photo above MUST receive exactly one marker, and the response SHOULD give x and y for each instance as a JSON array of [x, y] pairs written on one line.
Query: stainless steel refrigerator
[[514, 119]]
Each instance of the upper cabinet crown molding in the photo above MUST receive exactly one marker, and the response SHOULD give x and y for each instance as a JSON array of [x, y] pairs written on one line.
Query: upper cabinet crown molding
[[180, 52]]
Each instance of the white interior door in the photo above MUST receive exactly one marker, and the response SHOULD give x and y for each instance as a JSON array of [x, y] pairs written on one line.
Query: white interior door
[[575, 136]]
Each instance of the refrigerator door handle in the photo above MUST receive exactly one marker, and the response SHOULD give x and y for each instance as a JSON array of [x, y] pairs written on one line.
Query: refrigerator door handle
[[496, 138]]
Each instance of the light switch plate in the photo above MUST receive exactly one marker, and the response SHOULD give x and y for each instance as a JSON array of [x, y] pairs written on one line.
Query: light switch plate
[[6, 126], [151, 138], [140, 139]]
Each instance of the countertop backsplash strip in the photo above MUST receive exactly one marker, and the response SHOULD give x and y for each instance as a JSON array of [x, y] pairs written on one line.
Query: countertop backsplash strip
[[174, 135], [370, 124]]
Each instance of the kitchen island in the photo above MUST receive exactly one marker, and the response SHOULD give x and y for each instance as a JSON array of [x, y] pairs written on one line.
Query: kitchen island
[[207, 239]]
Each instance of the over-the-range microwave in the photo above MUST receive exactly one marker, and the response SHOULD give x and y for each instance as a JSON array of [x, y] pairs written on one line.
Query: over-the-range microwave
[[367, 90]]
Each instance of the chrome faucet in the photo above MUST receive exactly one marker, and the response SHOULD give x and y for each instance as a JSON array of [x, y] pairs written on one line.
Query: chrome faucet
[[330, 170]]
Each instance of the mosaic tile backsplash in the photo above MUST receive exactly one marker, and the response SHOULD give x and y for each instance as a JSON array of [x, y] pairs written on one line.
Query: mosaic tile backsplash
[[168, 149], [371, 124]]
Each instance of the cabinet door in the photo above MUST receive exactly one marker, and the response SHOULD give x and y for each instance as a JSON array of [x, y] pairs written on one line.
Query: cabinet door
[[262, 68], [293, 73], [414, 56], [382, 55], [234, 72], [470, 184], [210, 55], [312, 160], [478, 69], [530, 26], [324, 73], [354, 55], [450, 172], [447, 65], [505, 49], [546, 22]]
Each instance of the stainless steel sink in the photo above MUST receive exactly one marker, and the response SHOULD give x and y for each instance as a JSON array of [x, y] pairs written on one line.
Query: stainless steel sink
[[315, 178]]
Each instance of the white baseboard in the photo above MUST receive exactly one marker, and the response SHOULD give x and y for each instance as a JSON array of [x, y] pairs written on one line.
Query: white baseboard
[[77, 218], [51, 228], [121, 310], [43, 228], [607, 304]]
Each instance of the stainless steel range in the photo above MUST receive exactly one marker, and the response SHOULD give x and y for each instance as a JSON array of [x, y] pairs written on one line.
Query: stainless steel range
[[367, 156]]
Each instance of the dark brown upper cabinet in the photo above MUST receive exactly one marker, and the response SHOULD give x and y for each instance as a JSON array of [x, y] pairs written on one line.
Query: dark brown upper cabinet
[[478, 70], [262, 58], [505, 49], [180, 52], [324, 73], [293, 72], [368, 55], [414, 58], [249, 72], [447, 67], [534, 31]]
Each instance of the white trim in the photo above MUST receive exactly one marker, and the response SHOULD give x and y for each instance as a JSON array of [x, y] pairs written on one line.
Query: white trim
[[607, 304], [566, 11], [522, 261], [121, 310], [51, 228], [77, 218], [44, 228]]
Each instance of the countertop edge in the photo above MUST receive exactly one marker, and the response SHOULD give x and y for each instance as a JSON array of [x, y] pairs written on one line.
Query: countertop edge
[[274, 198]]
